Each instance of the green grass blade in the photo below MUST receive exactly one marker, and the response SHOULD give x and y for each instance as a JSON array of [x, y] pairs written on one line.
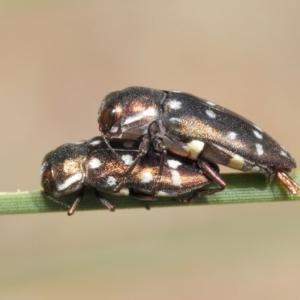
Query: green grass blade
[[241, 188]]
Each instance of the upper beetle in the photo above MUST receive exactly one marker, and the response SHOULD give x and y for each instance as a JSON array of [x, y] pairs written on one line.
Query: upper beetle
[[195, 128]]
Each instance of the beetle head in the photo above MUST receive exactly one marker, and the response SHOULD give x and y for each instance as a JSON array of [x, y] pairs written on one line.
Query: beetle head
[[62, 170], [130, 110]]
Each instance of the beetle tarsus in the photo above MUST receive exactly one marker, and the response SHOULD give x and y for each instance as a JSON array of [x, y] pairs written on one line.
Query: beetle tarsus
[[74, 206], [288, 182], [104, 202]]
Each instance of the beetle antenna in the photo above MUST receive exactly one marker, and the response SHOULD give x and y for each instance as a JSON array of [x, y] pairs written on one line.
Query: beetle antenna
[[107, 144], [58, 202]]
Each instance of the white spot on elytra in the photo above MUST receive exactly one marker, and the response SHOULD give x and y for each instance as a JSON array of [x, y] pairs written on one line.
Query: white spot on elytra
[[258, 128], [257, 134], [147, 177], [94, 163], [149, 112], [176, 179], [259, 149], [231, 135], [210, 103], [128, 159], [236, 162], [283, 153], [111, 181], [194, 148], [95, 142], [174, 120], [210, 113], [174, 104], [174, 164], [69, 181], [80, 142]]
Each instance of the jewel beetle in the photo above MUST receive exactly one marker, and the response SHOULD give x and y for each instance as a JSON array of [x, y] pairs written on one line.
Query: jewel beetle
[[197, 129], [94, 164]]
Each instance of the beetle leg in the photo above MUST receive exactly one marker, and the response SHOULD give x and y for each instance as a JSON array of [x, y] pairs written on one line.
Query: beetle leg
[[160, 170], [103, 201], [211, 173], [152, 194], [120, 186], [160, 147], [143, 149], [200, 193], [288, 182], [143, 197], [102, 135], [73, 207], [76, 203]]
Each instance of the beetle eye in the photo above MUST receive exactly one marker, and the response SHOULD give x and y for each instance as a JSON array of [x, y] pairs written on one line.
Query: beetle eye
[[107, 118], [47, 180]]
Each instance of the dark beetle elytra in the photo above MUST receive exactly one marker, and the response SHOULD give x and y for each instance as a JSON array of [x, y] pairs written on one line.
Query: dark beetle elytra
[[197, 129], [105, 168]]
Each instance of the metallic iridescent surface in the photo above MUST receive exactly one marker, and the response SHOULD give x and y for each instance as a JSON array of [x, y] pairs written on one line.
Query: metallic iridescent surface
[[196, 128], [62, 169], [230, 133], [94, 164], [132, 110]]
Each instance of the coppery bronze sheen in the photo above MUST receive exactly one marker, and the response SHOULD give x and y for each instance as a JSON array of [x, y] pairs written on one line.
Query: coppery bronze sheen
[[116, 168], [195, 128]]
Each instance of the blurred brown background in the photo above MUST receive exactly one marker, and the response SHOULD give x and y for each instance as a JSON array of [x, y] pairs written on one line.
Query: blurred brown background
[[58, 59]]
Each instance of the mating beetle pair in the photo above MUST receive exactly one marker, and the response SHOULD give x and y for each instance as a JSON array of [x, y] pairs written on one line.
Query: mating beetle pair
[[165, 126]]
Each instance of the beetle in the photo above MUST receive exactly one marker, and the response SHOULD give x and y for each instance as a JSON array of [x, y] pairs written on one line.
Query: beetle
[[195, 128], [93, 164]]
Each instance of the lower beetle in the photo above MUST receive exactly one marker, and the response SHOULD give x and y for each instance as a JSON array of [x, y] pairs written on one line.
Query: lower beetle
[[71, 168], [197, 129]]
